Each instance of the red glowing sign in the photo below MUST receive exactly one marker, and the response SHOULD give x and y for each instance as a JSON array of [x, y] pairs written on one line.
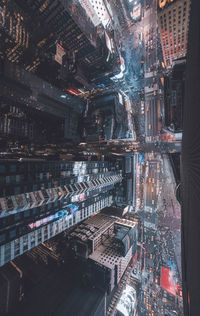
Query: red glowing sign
[[82, 197], [167, 280], [73, 91]]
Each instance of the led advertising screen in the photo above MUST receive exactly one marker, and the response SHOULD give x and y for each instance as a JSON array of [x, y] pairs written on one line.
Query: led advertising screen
[[68, 210], [127, 303], [136, 12], [168, 282]]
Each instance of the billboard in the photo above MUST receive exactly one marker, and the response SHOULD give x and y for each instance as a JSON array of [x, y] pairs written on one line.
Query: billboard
[[72, 208], [60, 52], [168, 282], [109, 42], [141, 158], [127, 238], [86, 4], [120, 98], [125, 210], [136, 12], [67, 210], [127, 303]]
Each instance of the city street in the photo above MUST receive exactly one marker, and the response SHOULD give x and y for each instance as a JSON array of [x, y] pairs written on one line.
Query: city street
[[160, 210], [170, 217], [83, 128], [162, 237], [152, 185]]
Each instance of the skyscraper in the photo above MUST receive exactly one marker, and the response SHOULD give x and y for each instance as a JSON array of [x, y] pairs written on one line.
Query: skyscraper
[[54, 33], [41, 199], [173, 20], [108, 243]]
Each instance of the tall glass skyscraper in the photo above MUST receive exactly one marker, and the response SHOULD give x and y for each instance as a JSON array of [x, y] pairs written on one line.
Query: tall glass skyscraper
[[39, 199]]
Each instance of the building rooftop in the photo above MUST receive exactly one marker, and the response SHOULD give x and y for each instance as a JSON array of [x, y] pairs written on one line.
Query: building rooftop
[[106, 255]]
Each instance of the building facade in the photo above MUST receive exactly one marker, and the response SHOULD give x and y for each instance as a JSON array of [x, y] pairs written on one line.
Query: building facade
[[31, 108], [41, 199], [174, 90], [108, 243], [173, 21], [51, 39]]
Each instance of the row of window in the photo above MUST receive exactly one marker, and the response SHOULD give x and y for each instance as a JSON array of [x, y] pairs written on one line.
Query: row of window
[[17, 190], [12, 249], [49, 166], [41, 212], [37, 177], [44, 196]]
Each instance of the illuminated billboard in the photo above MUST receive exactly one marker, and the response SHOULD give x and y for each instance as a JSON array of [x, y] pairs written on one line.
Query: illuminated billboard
[[125, 210], [127, 303], [60, 52], [136, 12], [72, 208], [90, 11], [109, 42], [66, 211], [168, 282]]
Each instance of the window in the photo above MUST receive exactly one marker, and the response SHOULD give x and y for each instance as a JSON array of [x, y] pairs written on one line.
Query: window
[[16, 246], [13, 168], [2, 169], [39, 235], [2, 238], [32, 235], [7, 252], [17, 217], [25, 242], [7, 179], [27, 213]]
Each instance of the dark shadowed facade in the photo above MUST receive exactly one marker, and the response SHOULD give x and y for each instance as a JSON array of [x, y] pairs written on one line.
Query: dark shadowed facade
[[191, 171]]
